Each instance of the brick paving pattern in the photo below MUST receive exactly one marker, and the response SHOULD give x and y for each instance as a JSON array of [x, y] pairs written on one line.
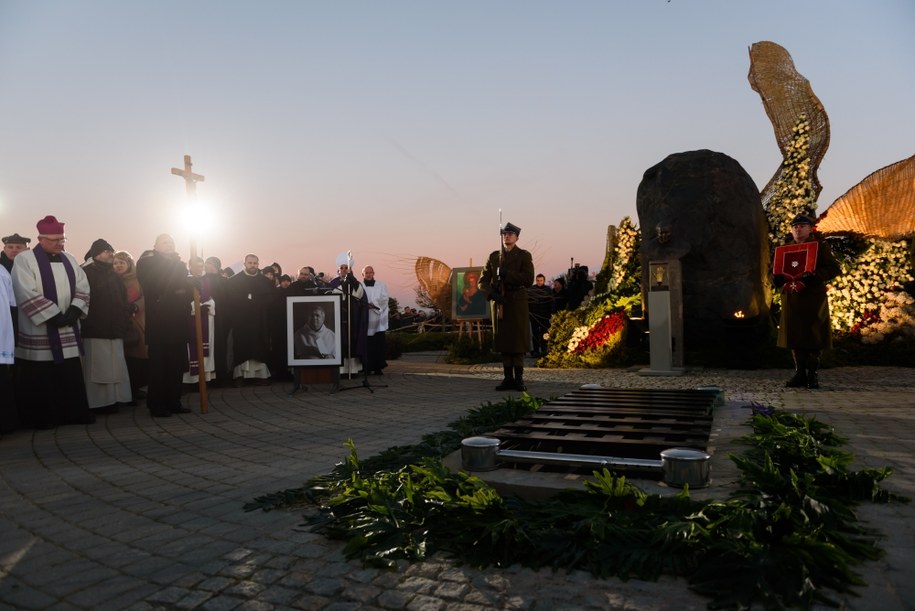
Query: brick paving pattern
[[141, 513]]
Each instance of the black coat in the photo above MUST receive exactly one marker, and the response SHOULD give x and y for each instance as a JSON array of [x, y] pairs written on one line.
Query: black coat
[[250, 299], [805, 322], [166, 287], [108, 317]]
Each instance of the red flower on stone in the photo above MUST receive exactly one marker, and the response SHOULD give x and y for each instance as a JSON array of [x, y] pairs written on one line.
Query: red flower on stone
[[605, 329]]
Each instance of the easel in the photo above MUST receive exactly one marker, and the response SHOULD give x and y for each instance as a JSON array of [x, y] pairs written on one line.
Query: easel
[[471, 326]]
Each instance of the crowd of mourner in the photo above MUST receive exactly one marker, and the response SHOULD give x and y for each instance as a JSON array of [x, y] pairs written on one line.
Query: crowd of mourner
[[82, 338]]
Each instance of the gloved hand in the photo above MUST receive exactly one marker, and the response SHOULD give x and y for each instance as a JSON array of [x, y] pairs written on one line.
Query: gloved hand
[[810, 279], [502, 271], [778, 280], [497, 297], [72, 316], [58, 320]]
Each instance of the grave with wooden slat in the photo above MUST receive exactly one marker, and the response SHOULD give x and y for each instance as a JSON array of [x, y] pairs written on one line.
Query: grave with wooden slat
[[606, 422]]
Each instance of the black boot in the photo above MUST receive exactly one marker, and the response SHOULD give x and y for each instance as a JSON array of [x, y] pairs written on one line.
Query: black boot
[[813, 363], [799, 380], [813, 380], [519, 379], [508, 381]]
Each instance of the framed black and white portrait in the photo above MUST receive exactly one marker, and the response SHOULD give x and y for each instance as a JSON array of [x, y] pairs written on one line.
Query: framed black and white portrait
[[313, 330]]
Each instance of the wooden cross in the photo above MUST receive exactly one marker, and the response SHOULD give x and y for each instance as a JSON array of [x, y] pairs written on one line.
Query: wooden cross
[[190, 179]]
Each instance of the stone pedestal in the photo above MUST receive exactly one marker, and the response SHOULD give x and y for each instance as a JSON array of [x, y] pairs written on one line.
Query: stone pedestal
[[665, 322]]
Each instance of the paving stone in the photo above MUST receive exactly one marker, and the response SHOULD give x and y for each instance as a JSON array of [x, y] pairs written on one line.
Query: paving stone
[[279, 595], [343, 606], [169, 595], [420, 585], [325, 586], [311, 602], [159, 503], [219, 603], [395, 599], [425, 603], [245, 589], [255, 605], [451, 590]]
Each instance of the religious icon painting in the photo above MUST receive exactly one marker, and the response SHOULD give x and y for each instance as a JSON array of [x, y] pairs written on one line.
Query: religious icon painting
[[793, 260], [467, 301], [314, 330]]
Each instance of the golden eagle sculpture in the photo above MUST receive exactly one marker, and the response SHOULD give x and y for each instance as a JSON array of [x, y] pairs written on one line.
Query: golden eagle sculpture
[[786, 95], [435, 279], [880, 206]]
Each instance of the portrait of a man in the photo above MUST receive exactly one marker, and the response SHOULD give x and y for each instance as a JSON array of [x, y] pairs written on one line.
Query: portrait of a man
[[312, 324]]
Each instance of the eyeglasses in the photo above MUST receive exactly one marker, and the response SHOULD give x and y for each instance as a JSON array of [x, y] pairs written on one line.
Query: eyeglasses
[[55, 240]]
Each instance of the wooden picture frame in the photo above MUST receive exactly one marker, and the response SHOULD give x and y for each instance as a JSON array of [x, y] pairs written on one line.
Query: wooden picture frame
[[467, 302], [306, 346]]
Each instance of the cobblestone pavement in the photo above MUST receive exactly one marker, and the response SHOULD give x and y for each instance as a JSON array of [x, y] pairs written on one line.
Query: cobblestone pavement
[[141, 513]]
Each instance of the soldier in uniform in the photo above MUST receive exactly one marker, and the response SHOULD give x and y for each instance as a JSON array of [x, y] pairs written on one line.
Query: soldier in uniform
[[506, 276], [804, 327]]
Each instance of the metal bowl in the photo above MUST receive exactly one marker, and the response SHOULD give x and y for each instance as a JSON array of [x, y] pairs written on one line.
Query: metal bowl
[[685, 467]]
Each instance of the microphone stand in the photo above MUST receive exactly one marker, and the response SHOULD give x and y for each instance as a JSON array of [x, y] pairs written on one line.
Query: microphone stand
[[349, 317]]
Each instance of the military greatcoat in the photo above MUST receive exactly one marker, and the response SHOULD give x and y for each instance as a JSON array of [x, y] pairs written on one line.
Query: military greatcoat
[[512, 334], [804, 323]]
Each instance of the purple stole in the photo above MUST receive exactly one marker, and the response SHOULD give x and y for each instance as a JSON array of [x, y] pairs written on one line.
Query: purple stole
[[49, 290]]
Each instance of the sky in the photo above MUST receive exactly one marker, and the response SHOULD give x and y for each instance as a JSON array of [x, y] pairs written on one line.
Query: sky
[[399, 129]]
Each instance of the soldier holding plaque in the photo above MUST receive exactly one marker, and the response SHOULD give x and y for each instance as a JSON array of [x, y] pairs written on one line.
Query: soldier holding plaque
[[801, 270]]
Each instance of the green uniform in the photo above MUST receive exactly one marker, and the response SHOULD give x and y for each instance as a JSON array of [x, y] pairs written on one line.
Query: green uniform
[[804, 323], [512, 334]]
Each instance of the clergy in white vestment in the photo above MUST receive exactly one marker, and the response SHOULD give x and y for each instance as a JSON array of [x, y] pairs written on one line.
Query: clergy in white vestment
[[52, 294], [9, 417], [377, 293]]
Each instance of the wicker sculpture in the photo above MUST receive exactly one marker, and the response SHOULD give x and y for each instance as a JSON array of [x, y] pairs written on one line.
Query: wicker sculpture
[[786, 95], [880, 206], [435, 279]]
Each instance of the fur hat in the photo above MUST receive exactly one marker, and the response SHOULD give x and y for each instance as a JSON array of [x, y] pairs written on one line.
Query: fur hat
[[97, 248], [16, 239]]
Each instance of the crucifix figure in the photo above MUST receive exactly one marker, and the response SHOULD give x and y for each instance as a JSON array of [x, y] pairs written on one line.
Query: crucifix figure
[[190, 179]]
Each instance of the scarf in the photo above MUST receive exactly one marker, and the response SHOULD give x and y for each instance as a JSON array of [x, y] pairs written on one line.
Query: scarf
[[49, 290]]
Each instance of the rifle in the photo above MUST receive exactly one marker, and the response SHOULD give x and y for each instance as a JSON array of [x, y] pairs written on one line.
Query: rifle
[[500, 285]]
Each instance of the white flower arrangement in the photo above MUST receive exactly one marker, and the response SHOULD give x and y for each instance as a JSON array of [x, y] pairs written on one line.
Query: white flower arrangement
[[626, 235], [895, 317], [794, 192], [878, 272], [578, 335]]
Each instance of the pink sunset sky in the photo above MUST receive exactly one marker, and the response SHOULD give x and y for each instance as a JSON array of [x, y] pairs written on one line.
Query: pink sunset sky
[[398, 129]]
